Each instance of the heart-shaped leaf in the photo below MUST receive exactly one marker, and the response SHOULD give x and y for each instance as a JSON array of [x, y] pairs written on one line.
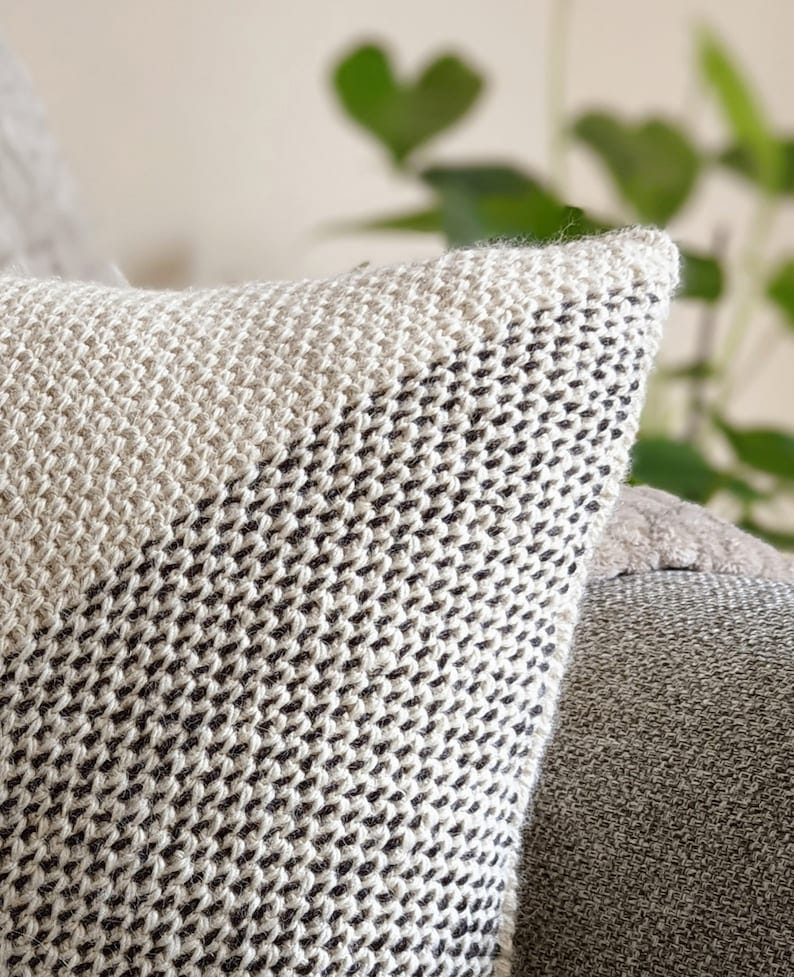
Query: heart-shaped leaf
[[674, 466], [744, 163], [780, 290], [741, 111], [653, 163], [765, 449], [404, 115], [701, 277], [490, 202]]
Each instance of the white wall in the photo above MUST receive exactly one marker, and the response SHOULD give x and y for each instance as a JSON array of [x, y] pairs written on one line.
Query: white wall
[[207, 128]]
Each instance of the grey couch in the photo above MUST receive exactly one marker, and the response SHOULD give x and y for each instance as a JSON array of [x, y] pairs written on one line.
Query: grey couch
[[661, 838]]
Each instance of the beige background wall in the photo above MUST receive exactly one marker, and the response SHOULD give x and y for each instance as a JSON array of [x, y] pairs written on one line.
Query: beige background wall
[[206, 130]]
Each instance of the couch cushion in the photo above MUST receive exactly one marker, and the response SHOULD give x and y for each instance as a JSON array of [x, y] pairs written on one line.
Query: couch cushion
[[288, 575], [660, 840]]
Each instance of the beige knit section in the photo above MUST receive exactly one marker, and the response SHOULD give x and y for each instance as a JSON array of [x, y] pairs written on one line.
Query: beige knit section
[[130, 406]]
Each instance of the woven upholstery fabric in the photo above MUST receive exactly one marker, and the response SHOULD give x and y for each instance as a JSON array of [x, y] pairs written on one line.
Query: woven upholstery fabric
[[661, 839], [42, 229], [289, 573]]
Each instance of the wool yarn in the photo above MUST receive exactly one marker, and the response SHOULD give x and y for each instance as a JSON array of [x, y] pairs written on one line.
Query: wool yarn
[[288, 575]]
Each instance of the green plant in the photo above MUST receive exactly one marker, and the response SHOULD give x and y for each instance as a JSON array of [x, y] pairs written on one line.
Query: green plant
[[655, 165]]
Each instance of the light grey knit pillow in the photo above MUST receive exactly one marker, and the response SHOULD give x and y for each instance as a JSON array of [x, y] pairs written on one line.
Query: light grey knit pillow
[[288, 575], [42, 229]]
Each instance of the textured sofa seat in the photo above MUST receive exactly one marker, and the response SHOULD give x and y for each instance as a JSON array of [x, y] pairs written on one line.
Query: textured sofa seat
[[661, 841]]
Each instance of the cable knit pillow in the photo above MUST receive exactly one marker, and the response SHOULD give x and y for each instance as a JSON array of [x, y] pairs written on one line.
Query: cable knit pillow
[[288, 575]]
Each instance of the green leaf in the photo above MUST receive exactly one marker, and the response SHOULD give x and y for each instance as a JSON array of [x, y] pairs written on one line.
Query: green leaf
[[480, 179], [676, 467], [741, 110], [765, 449], [701, 277], [679, 467], [427, 221], [780, 290], [488, 202], [700, 370], [742, 489], [404, 114], [781, 539], [740, 161], [653, 163]]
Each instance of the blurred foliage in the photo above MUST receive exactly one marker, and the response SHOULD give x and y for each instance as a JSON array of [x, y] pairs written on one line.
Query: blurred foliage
[[402, 115], [655, 166]]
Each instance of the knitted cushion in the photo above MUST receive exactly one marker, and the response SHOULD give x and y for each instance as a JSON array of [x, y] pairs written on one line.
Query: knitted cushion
[[289, 574], [661, 838]]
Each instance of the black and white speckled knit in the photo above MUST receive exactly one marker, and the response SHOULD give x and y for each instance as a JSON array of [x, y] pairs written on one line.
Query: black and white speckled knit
[[289, 575]]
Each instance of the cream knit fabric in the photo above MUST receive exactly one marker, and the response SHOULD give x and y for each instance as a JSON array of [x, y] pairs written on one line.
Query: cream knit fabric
[[288, 575]]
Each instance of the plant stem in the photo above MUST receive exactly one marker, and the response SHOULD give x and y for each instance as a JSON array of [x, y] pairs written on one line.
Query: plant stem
[[559, 31], [751, 270], [704, 352], [698, 397]]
